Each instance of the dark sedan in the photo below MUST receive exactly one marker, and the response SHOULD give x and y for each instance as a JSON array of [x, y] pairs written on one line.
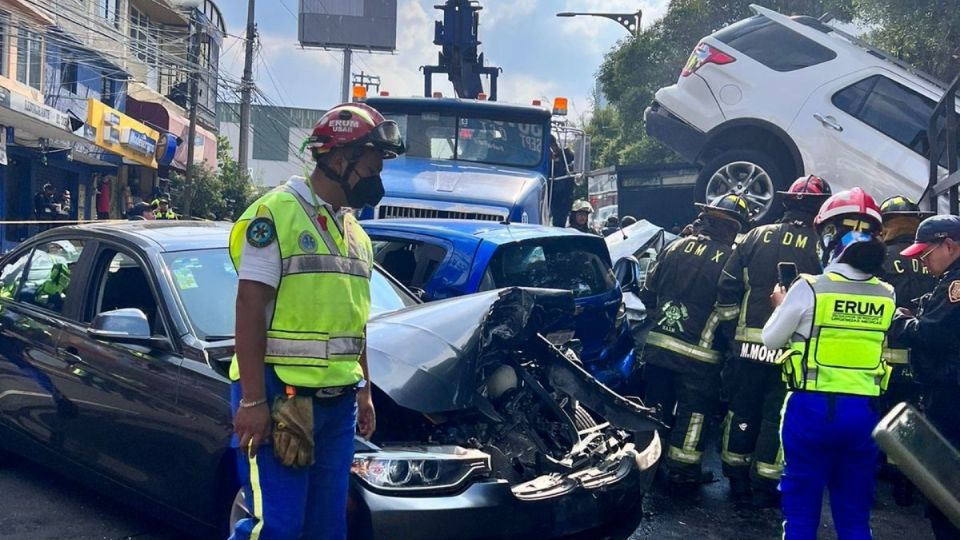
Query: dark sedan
[[113, 344]]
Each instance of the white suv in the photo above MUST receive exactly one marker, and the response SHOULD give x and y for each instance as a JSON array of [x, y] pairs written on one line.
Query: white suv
[[771, 98]]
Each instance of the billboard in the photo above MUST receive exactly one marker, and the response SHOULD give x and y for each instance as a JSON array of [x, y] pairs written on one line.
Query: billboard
[[348, 24]]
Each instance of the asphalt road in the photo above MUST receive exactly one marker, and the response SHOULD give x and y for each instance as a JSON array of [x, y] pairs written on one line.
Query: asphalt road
[[39, 505]]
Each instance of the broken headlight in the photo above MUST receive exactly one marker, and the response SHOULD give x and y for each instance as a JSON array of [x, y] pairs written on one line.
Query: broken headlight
[[420, 469]]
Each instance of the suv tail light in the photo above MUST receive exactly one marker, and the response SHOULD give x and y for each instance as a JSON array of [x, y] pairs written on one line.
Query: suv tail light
[[705, 54]]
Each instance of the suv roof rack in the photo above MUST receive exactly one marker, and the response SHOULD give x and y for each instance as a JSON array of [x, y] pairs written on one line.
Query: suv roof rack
[[823, 26]]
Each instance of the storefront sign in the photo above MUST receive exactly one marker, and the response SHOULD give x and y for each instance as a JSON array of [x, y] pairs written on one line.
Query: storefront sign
[[123, 135], [138, 141], [39, 111], [167, 148]]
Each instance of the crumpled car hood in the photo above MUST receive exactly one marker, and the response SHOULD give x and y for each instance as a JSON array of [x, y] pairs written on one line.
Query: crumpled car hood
[[428, 358]]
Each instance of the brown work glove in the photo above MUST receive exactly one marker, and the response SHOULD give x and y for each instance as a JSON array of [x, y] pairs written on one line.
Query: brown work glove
[[293, 430]]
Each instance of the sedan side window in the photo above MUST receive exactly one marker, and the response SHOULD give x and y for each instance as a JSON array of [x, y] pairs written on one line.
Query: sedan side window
[[47, 279], [12, 275], [411, 263], [124, 284]]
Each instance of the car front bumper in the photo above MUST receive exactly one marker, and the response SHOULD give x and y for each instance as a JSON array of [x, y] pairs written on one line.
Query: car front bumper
[[491, 509], [672, 131]]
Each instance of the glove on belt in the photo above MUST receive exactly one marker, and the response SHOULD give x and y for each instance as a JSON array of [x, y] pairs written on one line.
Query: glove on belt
[[293, 430]]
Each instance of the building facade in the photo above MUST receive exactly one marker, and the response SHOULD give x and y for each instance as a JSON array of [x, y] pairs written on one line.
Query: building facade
[[80, 84], [276, 134]]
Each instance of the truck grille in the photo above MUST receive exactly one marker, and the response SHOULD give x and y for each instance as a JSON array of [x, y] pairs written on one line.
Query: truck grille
[[406, 212]]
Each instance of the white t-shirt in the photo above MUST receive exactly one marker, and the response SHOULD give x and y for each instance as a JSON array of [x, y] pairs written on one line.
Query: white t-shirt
[[263, 264]]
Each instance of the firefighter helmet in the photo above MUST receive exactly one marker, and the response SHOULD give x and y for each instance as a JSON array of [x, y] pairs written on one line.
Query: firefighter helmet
[[846, 219], [355, 125], [899, 205], [729, 206], [804, 187]]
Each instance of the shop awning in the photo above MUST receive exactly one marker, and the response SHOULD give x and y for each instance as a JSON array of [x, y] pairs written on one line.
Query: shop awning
[[31, 119], [160, 113]]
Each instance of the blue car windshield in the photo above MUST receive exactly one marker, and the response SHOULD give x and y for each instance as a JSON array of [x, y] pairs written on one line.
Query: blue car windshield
[[200, 276], [570, 263], [433, 135]]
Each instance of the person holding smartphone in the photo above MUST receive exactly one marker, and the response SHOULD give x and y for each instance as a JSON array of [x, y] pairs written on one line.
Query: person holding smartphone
[[768, 254], [834, 327]]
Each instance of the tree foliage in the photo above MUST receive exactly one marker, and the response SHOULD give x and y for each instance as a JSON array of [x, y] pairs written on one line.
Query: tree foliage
[[213, 192], [925, 33]]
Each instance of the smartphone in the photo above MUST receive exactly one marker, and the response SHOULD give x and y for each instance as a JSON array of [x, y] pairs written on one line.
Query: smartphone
[[786, 273]]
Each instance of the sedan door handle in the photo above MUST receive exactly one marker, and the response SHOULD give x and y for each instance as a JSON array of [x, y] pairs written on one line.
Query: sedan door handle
[[828, 121], [70, 355]]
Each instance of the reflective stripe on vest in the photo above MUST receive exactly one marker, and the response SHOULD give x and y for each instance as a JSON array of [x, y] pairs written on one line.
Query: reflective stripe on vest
[[844, 353], [678, 346], [316, 334], [749, 335]]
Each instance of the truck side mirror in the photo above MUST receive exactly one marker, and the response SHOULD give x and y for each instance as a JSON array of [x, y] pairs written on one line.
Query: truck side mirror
[[627, 272]]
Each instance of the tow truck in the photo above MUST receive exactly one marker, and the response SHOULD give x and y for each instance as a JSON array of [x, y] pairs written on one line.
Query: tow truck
[[469, 156]]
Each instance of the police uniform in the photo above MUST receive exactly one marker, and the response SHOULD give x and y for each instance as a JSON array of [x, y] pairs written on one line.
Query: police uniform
[[163, 215], [835, 324], [751, 436], [682, 361], [319, 261], [933, 336]]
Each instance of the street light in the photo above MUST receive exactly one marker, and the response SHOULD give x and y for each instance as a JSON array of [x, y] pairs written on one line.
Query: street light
[[630, 21]]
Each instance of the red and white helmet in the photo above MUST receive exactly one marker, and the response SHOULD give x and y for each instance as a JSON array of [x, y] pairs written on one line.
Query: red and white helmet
[[355, 125], [855, 203], [811, 186]]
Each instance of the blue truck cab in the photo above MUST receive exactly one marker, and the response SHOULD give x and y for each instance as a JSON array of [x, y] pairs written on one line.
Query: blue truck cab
[[467, 159], [440, 258]]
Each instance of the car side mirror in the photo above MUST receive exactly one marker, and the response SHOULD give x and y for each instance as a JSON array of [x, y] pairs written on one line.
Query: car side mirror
[[627, 271], [127, 325]]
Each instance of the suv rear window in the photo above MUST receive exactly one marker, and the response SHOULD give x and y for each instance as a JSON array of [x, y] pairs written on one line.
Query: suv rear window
[[774, 45], [569, 263]]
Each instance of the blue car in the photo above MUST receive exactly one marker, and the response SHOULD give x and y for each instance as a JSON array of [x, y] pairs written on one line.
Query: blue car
[[440, 258]]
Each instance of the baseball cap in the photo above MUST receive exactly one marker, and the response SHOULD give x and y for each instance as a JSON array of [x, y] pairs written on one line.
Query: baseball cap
[[932, 230]]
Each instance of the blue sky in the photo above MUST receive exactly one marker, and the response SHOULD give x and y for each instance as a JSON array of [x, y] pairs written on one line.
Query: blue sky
[[542, 56]]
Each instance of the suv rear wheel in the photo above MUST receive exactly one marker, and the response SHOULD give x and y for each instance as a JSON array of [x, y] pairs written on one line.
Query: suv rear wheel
[[750, 174]]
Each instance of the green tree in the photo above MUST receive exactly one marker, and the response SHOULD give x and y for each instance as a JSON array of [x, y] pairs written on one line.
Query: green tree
[[925, 33], [213, 192]]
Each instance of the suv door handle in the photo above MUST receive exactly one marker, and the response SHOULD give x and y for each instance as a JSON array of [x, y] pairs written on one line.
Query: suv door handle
[[70, 355], [828, 121]]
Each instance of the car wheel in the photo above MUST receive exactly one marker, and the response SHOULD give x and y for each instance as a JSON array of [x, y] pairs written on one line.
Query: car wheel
[[751, 174]]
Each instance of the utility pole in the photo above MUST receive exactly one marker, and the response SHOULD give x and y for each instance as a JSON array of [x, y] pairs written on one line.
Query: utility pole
[[362, 79], [246, 89], [194, 70], [345, 90]]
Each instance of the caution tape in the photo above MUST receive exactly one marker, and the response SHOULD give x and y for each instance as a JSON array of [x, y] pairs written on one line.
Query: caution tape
[[60, 221]]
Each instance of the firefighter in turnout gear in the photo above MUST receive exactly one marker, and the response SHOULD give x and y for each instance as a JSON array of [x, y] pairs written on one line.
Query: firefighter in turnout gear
[[933, 335], [682, 363], [580, 217], [303, 300], [834, 325], [911, 280], [751, 438]]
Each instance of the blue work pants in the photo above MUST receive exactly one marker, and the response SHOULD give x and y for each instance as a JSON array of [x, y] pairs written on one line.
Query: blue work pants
[[289, 503], [827, 444]]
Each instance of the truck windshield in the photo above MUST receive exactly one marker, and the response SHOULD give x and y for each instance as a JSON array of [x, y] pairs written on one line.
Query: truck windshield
[[570, 263], [478, 140]]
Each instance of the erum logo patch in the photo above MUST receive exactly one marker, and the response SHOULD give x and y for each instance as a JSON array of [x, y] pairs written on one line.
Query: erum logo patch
[[344, 126]]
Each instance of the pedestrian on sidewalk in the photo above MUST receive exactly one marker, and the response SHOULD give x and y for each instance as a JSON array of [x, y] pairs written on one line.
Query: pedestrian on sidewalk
[[835, 325]]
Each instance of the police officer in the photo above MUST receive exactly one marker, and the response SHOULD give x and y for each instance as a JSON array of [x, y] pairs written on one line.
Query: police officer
[[682, 363], [933, 335], [580, 217], [162, 209], [303, 301], [911, 280], [835, 324], [751, 439]]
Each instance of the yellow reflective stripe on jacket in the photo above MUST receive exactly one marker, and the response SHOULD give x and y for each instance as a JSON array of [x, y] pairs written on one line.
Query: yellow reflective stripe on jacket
[[311, 264], [678, 346], [749, 335]]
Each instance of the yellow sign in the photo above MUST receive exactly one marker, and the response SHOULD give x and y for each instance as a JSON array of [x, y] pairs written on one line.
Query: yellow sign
[[122, 135]]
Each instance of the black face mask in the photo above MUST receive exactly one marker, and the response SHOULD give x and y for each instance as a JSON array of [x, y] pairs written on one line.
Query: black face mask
[[367, 192]]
